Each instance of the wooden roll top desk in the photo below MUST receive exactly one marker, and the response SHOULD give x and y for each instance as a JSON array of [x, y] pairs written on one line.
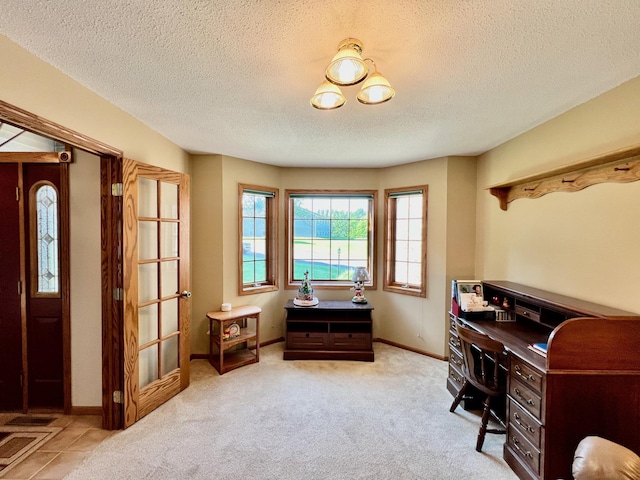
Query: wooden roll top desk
[[588, 383]]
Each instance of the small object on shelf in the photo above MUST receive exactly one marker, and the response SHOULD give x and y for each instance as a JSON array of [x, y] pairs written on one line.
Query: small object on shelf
[[304, 297], [360, 275], [504, 315], [231, 331], [505, 303], [225, 307]]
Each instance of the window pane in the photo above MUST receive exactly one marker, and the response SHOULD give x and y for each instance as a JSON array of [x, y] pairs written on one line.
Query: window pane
[[46, 200], [147, 324], [147, 198], [147, 282], [415, 206], [169, 272], [148, 365], [255, 239], [413, 274], [147, 240], [415, 251], [408, 243], [169, 354], [337, 235], [402, 230], [169, 316], [402, 207], [169, 239], [168, 200]]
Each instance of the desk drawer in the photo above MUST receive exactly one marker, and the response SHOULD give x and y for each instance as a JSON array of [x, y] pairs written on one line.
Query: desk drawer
[[310, 340], [455, 358], [527, 313], [350, 341], [525, 373], [456, 377], [524, 423], [454, 341], [526, 397], [523, 449]]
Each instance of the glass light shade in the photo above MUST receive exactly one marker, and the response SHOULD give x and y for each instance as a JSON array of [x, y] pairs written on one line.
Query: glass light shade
[[347, 67], [327, 97], [376, 89], [360, 274]]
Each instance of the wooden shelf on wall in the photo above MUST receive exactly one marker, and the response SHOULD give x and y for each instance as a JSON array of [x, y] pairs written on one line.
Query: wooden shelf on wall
[[620, 166]]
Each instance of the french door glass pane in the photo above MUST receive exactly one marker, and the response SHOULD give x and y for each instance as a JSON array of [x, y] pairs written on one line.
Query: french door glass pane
[[169, 355], [169, 316], [168, 200], [169, 240], [147, 323], [169, 272], [147, 282], [147, 198], [147, 240], [148, 365]]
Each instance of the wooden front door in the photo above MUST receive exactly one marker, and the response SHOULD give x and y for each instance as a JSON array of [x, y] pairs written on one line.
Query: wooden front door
[[33, 284], [156, 287], [10, 298]]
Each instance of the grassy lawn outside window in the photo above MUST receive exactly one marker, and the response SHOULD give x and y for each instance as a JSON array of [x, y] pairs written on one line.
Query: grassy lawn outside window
[[329, 234], [258, 249]]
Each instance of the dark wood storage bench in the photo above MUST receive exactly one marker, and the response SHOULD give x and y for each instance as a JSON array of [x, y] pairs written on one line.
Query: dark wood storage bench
[[331, 330]]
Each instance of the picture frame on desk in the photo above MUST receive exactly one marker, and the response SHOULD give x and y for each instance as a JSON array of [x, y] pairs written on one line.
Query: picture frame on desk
[[469, 286]]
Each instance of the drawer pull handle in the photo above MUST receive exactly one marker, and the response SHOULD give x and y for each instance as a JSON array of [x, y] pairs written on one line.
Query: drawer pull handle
[[306, 335], [527, 400], [522, 424], [529, 378], [525, 313], [516, 445]]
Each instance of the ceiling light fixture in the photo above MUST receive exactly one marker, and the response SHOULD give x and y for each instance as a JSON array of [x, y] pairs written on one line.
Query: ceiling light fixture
[[348, 68]]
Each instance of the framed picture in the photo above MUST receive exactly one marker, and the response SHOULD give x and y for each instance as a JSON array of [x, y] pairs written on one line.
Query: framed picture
[[469, 286]]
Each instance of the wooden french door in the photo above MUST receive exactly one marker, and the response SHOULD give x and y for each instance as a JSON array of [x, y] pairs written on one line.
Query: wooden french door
[[156, 287]]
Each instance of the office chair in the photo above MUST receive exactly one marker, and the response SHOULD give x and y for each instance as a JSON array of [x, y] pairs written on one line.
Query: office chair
[[484, 367]]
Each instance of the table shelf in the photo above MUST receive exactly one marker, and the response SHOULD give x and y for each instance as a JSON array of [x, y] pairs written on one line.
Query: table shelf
[[227, 357]]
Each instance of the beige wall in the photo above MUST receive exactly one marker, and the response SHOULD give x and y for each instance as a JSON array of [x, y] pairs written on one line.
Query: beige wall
[[582, 244], [415, 322], [86, 306], [35, 86]]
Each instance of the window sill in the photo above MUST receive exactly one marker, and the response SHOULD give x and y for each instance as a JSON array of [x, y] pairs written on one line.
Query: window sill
[[415, 292], [260, 289]]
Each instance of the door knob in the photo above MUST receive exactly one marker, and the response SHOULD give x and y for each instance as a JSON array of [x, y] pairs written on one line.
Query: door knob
[[185, 294]]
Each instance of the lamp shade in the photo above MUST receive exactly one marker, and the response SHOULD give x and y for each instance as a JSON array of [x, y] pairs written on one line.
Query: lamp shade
[[347, 67], [360, 274], [376, 89], [327, 97]]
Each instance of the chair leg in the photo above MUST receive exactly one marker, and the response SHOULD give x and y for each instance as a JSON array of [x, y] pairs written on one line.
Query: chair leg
[[458, 399], [485, 420]]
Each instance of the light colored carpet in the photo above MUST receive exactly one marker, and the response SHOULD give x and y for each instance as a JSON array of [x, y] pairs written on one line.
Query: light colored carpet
[[295, 420]]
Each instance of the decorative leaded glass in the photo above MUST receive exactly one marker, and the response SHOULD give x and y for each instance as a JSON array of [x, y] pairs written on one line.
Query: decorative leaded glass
[[47, 239]]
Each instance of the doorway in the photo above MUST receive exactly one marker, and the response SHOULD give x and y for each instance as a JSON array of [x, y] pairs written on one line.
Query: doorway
[[34, 319]]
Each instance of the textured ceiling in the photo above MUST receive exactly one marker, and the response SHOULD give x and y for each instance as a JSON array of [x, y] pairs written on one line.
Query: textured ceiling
[[235, 76]]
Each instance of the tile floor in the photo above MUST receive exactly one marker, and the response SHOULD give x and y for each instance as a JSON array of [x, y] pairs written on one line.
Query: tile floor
[[54, 459]]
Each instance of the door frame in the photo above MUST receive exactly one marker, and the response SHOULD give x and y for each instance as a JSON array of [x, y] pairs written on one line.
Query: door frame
[[111, 256]]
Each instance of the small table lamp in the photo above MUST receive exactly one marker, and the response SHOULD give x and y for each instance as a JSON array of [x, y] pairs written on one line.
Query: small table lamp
[[360, 275]]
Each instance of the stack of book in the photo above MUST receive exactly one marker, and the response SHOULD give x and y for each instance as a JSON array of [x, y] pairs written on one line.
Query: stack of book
[[539, 348]]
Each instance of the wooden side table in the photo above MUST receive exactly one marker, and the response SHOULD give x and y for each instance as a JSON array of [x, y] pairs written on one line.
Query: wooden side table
[[226, 359]]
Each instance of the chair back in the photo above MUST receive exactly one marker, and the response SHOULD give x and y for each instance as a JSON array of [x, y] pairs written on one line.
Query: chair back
[[484, 361]]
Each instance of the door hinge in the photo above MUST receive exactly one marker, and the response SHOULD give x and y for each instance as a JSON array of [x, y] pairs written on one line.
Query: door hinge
[[17, 194], [116, 189], [118, 294], [118, 397], [19, 287]]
